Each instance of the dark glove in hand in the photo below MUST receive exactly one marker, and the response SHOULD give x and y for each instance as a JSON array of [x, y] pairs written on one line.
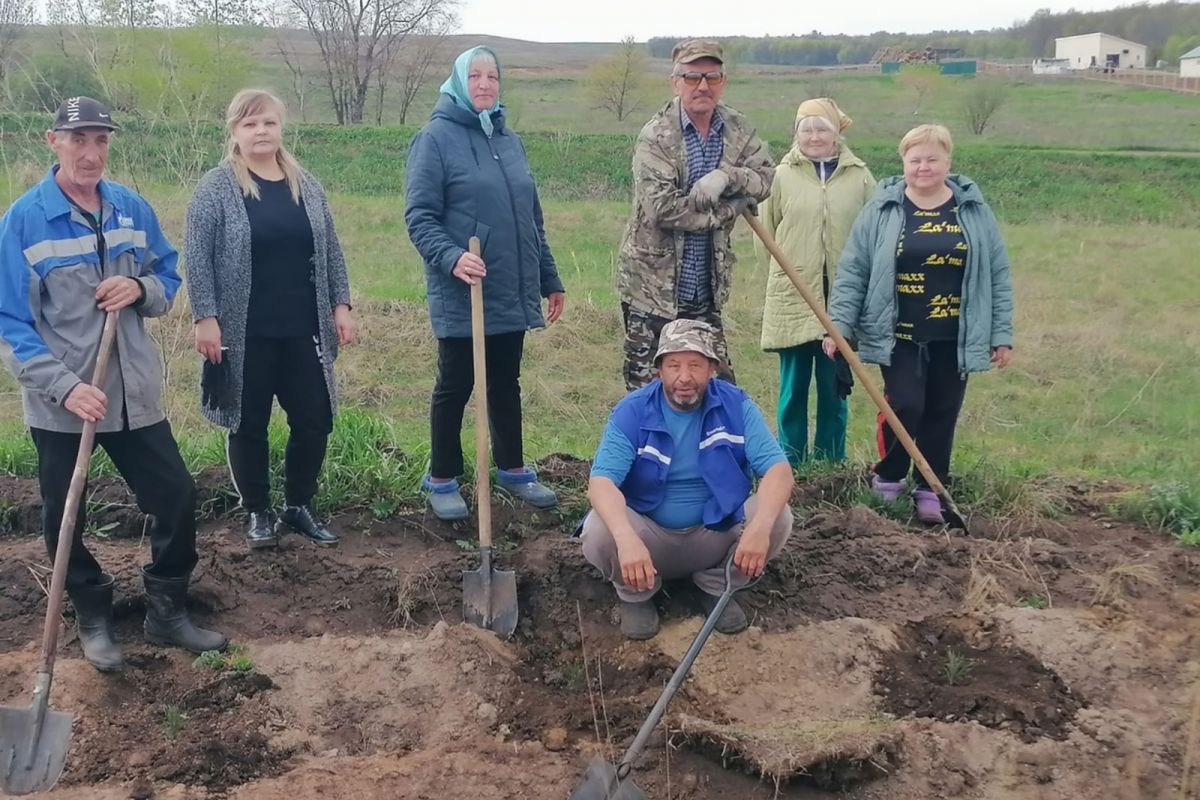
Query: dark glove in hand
[[842, 375], [216, 385], [741, 204]]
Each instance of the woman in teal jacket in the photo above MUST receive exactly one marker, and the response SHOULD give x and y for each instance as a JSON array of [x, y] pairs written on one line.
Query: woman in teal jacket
[[923, 286]]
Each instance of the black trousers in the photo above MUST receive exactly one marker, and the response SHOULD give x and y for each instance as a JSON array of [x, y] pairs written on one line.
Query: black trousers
[[926, 390], [149, 461], [290, 369], [455, 380]]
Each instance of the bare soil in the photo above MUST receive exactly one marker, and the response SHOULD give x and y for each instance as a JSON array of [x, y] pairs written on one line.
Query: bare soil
[[1076, 641]]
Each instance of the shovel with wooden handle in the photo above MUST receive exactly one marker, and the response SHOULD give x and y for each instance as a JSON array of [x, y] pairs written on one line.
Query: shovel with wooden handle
[[953, 517], [34, 741], [489, 594]]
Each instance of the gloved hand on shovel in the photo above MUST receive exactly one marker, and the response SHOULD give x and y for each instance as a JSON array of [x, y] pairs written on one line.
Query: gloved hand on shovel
[[706, 193]]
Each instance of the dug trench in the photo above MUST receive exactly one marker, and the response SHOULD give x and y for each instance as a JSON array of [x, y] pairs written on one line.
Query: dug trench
[[1050, 659]]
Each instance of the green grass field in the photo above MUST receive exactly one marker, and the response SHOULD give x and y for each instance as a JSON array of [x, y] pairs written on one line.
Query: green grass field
[[1103, 247]]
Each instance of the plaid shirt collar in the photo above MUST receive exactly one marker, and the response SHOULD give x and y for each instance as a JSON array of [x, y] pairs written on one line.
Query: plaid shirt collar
[[685, 122]]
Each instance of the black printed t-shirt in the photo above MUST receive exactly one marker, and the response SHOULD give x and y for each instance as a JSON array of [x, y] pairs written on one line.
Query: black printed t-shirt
[[931, 259], [283, 297]]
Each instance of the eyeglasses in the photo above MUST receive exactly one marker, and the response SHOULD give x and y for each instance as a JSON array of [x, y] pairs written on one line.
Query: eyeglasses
[[693, 78]]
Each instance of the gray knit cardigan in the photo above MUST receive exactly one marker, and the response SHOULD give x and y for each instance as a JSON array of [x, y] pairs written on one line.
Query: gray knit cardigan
[[217, 268]]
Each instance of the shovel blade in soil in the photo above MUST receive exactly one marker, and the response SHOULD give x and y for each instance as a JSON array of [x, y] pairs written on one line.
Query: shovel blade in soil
[[490, 600], [600, 782], [29, 761]]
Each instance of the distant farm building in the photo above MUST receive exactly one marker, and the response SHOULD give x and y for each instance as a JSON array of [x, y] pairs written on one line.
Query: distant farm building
[[1100, 51], [1189, 64]]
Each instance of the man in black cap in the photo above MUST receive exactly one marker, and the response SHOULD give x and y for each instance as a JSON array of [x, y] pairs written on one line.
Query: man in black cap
[[73, 248]]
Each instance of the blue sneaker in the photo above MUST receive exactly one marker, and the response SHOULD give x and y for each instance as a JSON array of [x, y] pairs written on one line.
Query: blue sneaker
[[525, 486], [444, 500]]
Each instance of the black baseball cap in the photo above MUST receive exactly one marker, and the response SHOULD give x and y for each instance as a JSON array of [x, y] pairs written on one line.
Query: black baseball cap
[[83, 112]]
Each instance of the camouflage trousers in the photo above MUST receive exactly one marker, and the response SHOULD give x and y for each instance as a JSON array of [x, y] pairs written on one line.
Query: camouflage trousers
[[641, 342]]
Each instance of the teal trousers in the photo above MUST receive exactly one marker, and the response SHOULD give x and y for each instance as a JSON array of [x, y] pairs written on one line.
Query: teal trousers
[[796, 368]]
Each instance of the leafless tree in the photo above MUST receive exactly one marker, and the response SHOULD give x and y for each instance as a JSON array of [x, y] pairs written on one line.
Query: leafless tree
[[355, 37], [409, 66], [283, 21], [620, 83], [980, 102], [15, 15]]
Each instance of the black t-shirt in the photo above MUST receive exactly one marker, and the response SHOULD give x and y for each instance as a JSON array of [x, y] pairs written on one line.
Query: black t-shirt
[[930, 261], [283, 297]]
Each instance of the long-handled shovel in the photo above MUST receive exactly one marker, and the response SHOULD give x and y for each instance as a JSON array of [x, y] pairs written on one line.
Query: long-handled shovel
[[34, 741], [953, 517], [603, 780], [489, 594]]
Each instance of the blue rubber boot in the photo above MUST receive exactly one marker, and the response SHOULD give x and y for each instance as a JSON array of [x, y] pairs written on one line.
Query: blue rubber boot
[[444, 500], [525, 485]]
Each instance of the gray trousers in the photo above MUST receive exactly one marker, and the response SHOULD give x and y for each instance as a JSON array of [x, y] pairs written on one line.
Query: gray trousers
[[697, 551]]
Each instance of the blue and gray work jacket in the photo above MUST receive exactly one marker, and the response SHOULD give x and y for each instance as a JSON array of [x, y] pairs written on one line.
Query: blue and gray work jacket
[[52, 258]]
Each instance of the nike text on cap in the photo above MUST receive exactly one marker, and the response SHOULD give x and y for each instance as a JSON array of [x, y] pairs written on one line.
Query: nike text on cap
[[83, 112]]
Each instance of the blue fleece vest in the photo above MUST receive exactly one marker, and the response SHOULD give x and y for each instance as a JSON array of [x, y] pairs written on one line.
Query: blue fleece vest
[[722, 459]]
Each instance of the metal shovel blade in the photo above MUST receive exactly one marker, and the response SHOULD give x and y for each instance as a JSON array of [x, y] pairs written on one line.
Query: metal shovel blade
[[600, 782], [32, 760], [490, 597]]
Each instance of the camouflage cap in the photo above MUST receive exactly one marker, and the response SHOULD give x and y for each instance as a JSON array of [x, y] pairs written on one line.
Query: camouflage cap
[[687, 336], [691, 50]]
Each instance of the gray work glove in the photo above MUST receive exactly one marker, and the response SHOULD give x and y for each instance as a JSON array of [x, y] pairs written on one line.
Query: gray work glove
[[706, 193], [743, 203]]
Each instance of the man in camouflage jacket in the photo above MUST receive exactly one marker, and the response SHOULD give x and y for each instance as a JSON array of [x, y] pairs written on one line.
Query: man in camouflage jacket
[[697, 166]]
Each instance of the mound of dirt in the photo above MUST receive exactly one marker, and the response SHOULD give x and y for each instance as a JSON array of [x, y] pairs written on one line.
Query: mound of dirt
[[162, 720], [938, 673], [797, 703]]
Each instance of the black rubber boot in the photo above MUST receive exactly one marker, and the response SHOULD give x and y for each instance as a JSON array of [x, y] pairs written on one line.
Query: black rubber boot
[[93, 622], [732, 619], [639, 620], [167, 620]]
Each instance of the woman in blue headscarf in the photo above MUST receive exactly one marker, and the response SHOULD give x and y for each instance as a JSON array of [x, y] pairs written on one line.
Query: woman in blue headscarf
[[468, 176]]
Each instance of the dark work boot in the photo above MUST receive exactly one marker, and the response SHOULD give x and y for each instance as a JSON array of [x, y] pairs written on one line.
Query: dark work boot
[[303, 521], [260, 530], [639, 620], [167, 620], [732, 619], [93, 622]]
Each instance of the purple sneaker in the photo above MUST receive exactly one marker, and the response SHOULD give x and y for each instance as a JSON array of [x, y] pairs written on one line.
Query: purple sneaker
[[929, 507], [888, 491]]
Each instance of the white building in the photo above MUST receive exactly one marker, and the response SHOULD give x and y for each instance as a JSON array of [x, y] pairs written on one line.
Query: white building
[[1051, 66], [1189, 64], [1100, 50]]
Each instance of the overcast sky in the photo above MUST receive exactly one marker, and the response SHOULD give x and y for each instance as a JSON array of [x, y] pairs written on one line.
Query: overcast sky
[[611, 20]]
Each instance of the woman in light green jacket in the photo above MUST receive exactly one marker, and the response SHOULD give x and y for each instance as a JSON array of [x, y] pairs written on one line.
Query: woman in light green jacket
[[819, 188]]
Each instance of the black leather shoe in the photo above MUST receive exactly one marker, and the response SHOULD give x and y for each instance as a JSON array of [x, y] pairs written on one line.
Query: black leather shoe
[[260, 530], [167, 619], [93, 622], [303, 521]]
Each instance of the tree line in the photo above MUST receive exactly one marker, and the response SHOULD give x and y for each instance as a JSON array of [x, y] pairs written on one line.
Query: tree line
[[1167, 29]]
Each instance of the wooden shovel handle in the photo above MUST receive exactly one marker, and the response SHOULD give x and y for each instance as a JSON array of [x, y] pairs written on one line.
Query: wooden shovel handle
[[851, 357], [66, 530], [483, 492]]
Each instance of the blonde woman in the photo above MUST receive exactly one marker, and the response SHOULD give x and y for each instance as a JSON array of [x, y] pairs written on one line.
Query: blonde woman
[[924, 287], [271, 302], [819, 188]]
